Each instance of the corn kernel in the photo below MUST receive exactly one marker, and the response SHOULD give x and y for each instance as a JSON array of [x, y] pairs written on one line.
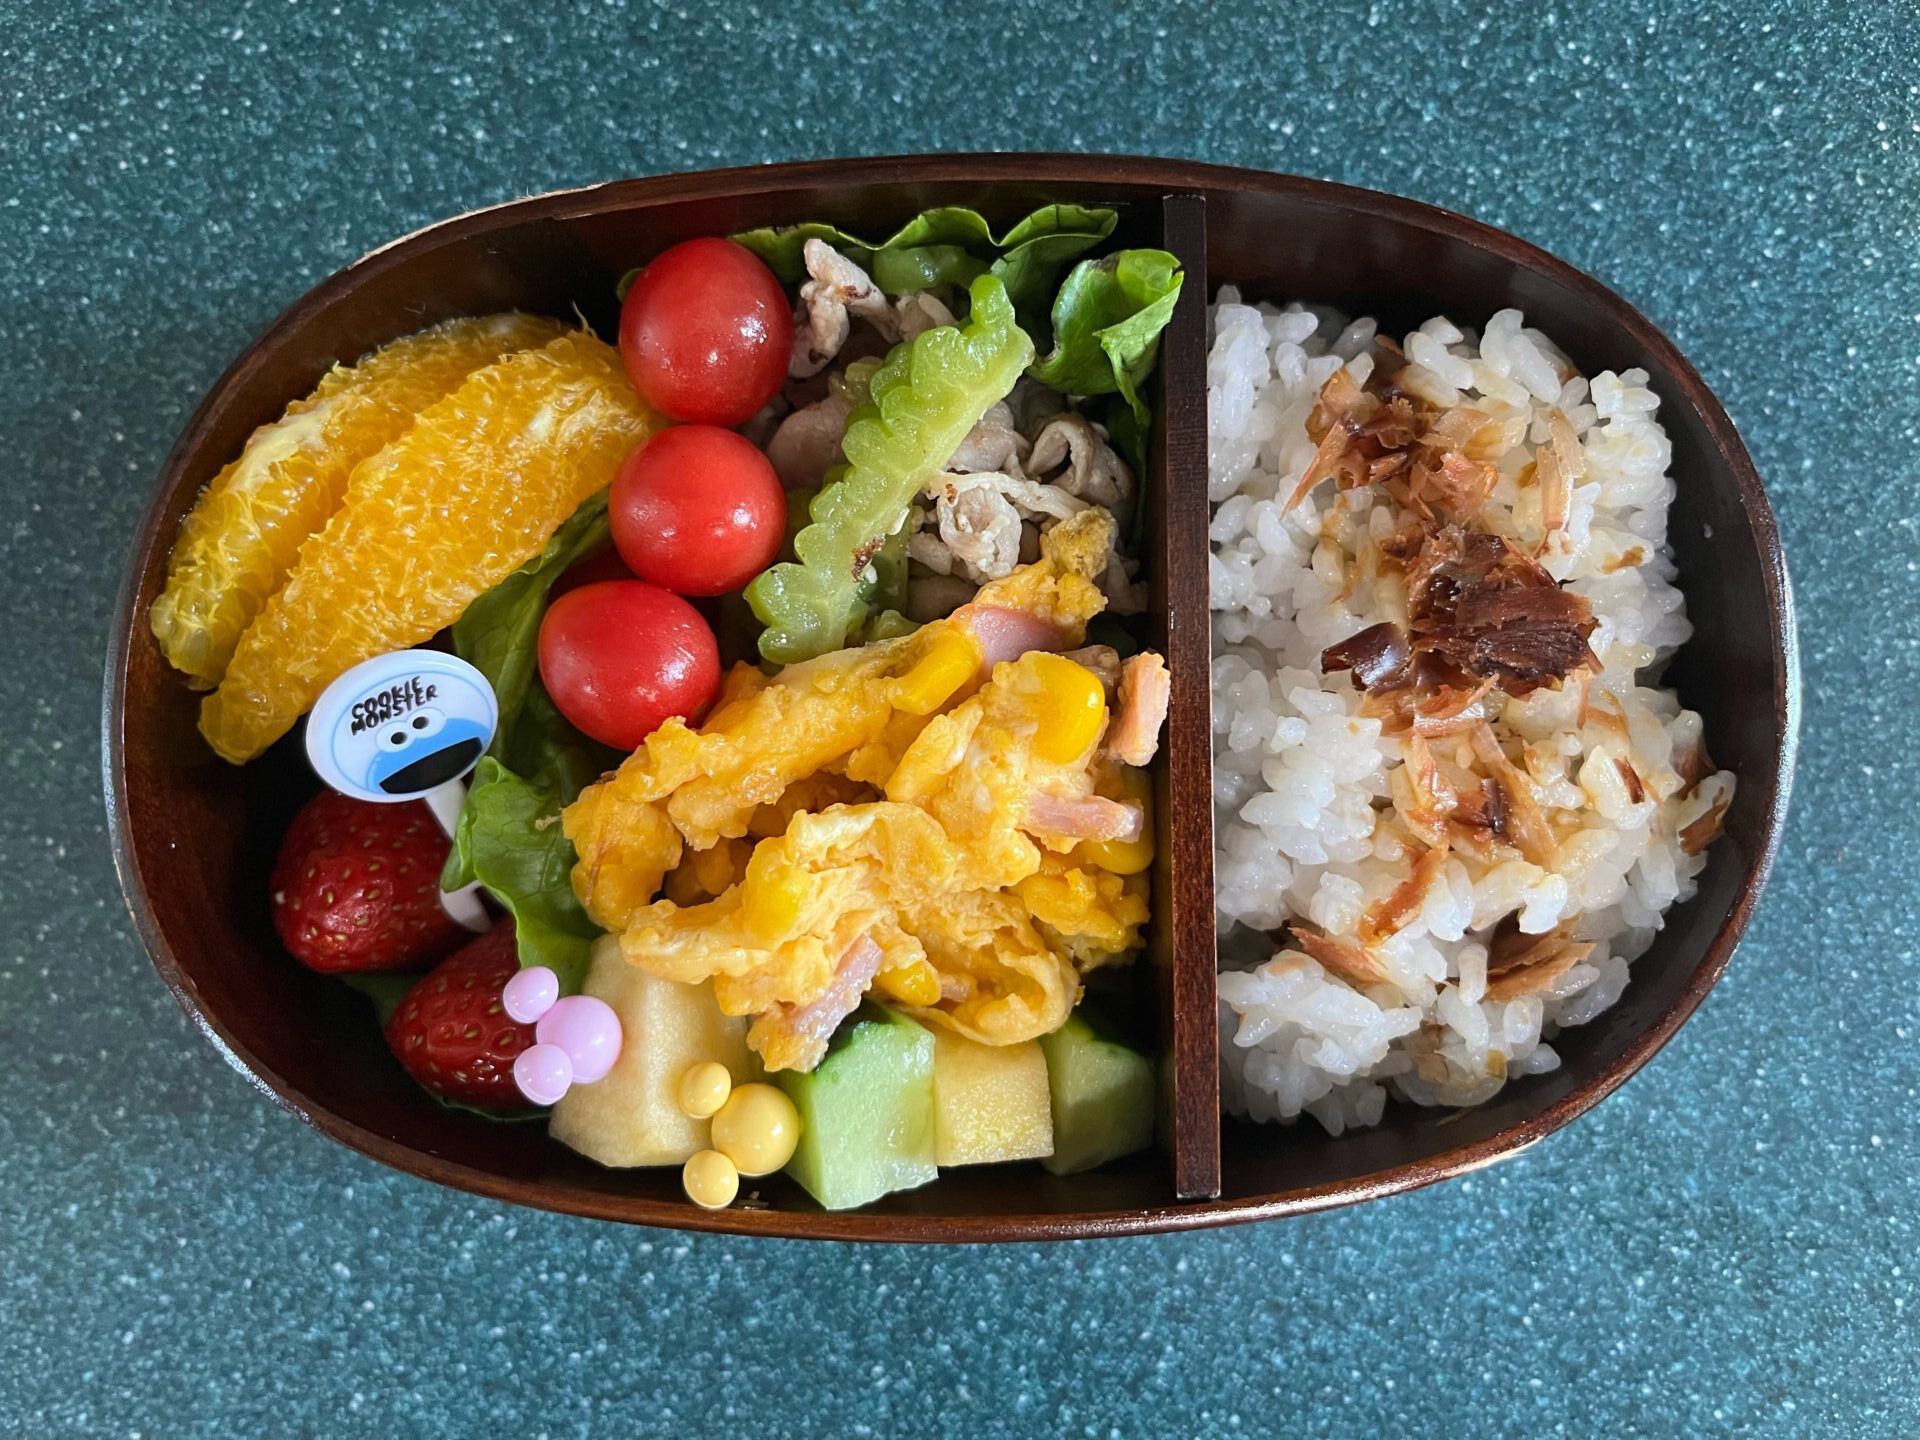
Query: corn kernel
[[774, 893], [1071, 708], [1119, 857], [915, 983], [950, 661], [1055, 899]]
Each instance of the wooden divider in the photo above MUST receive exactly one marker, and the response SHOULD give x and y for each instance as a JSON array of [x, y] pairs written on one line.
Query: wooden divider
[[1183, 887]]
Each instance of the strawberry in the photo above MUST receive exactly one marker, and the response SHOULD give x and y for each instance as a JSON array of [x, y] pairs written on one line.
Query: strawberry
[[357, 886], [452, 1033]]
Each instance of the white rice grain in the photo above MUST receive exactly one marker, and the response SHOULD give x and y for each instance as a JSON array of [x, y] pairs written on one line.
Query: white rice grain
[[1303, 782]]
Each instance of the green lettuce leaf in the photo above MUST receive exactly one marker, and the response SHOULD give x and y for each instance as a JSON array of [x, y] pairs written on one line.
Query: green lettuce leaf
[[1128, 435], [782, 247], [509, 839], [1107, 321], [549, 751], [1040, 247], [948, 245], [500, 631], [499, 635]]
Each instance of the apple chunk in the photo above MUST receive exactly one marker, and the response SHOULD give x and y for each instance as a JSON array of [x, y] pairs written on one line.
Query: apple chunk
[[632, 1116], [990, 1102]]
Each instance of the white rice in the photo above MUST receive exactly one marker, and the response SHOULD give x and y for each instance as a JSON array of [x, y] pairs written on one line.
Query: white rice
[[1304, 814]]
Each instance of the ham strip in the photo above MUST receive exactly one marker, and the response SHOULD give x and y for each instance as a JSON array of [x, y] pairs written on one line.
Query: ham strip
[[815, 1021], [1133, 737], [1006, 634], [1085, 817]]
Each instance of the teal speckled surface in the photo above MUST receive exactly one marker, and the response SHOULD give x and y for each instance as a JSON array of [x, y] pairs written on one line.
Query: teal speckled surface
[[1727, 1247]]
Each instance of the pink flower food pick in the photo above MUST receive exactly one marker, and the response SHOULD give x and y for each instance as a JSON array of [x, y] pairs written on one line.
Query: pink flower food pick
[[543, 1073], [587, 1029], [530, 994]]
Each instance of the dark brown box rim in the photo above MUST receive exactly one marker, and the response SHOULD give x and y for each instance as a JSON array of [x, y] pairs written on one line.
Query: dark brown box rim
[[1173, 177]]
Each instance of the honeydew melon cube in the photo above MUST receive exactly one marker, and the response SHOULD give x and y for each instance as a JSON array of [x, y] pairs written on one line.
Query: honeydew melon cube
[[866, 1111], [1103, 1098]]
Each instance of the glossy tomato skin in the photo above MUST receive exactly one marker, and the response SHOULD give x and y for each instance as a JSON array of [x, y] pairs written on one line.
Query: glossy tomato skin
[[622, 656], [697, 509], [706, 332]]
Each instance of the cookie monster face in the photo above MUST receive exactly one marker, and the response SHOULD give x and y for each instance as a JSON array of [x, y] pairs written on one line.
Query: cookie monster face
[[400, 726], [424, 749]]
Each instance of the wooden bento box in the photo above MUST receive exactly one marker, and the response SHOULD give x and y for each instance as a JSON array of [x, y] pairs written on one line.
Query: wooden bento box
[[194, 839]]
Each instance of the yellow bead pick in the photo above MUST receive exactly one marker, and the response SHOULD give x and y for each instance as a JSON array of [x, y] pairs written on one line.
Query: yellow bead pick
[[757, 1129], [711, 1180], [704, 1089]]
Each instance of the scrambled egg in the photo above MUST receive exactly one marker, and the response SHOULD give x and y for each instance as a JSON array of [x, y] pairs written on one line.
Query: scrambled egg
[[886, 812]]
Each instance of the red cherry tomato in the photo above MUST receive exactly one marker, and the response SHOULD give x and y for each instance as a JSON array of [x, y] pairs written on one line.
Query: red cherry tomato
[[706, 332], [698, 509], [602, 564], [622, 656]]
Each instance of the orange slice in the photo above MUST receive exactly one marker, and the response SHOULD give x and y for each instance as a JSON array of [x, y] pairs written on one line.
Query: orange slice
[[467, 495], [242, 536]]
